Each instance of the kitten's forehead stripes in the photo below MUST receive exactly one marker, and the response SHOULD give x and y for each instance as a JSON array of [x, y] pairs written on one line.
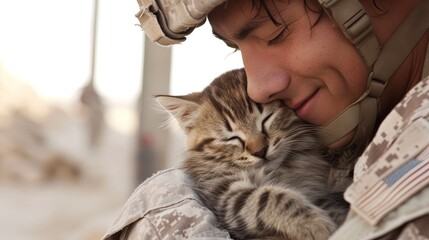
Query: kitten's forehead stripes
[[228, 126], [222, 111], [228, 95]]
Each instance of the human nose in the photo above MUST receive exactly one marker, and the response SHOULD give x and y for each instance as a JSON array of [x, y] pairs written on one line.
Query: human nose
[[266, 79]]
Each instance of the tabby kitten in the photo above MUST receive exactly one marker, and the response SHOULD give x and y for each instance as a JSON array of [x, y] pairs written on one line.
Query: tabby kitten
[[256, 166]]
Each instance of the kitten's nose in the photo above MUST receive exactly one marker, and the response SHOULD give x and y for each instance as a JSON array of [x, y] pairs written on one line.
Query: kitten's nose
[[257, 145], [261, 153]]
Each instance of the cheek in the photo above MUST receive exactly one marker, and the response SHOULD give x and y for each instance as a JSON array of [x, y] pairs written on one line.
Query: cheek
[[351, 73], [339, 59], [329, 60]]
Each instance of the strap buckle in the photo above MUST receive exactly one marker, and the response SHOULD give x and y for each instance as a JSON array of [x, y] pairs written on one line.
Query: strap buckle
[[153, 22], [353, 20], [168, 22]]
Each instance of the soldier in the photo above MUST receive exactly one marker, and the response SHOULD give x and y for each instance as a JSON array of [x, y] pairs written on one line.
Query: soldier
[[357, 69]]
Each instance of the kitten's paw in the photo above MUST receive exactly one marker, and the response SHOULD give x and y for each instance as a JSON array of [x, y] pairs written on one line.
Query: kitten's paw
[[318, 227], [322, 230]]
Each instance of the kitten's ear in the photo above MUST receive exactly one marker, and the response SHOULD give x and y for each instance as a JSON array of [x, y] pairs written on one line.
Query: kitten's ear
[[182, 108]]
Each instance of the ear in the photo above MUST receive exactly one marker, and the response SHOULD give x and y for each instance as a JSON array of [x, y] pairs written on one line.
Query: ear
[[182, 108]]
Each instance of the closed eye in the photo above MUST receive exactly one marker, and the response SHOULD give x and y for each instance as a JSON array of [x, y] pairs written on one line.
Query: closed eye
[[236, 139], [279, 37], [263, 123]]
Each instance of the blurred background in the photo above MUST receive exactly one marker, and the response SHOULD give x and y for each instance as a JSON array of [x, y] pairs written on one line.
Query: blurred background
[[79, 128]]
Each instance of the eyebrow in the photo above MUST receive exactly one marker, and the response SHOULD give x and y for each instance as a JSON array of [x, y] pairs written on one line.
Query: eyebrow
[[246, 29]]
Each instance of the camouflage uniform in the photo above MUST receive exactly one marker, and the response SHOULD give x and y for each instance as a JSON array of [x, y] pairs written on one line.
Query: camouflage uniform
[[389, 195], [165, 207]]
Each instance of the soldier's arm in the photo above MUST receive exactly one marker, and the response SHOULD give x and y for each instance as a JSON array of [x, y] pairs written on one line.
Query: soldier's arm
[[165, 207]]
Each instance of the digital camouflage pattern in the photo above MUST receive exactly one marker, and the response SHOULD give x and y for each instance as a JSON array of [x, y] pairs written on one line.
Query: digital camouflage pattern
[[165, 207], [390, 196]]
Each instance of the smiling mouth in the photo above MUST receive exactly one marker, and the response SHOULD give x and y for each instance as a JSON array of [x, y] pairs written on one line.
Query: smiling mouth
[[303, 102]]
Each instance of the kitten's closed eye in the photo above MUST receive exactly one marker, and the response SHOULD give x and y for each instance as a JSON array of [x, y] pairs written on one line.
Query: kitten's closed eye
[[236, 140], [265, 124]]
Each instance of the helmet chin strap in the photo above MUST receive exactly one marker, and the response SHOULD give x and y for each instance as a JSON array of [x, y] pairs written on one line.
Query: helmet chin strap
[[361, 115]]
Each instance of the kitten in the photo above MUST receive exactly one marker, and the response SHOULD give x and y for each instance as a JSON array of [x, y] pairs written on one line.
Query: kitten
[[258, 167]]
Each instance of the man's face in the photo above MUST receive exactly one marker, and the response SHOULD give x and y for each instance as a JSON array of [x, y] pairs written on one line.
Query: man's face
[[305, 61]]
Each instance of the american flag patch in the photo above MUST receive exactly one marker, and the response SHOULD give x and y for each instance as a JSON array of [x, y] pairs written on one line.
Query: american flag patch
[[385, 185]]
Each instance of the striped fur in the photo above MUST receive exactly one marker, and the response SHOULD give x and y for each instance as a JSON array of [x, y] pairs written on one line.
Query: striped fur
[[257, 167]]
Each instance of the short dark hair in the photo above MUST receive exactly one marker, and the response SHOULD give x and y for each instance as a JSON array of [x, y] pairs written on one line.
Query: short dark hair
[[261, 5]]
